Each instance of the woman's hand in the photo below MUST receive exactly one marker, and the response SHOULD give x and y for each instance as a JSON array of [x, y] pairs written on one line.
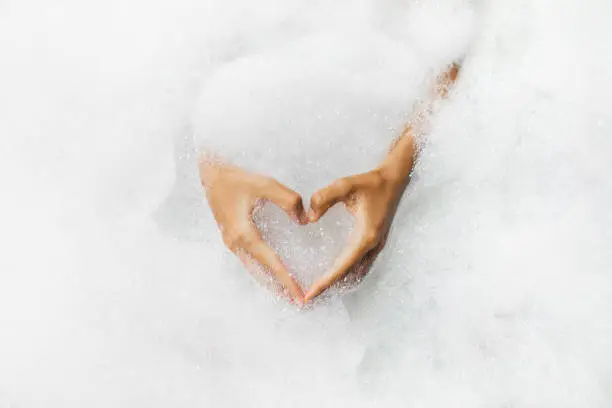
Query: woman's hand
[[233, 194], [372, 198]]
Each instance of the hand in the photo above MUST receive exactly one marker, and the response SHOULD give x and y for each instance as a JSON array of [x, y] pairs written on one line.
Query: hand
[[233, 194], [372, 198]]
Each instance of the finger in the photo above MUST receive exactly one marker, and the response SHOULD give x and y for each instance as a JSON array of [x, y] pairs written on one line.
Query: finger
[[327, 197], [262, 253], [362, 268], [287, 199], [347, 260], [267, 280]]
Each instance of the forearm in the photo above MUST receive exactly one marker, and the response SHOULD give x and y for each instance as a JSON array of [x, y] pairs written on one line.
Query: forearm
[[398, 164], [400, 160]]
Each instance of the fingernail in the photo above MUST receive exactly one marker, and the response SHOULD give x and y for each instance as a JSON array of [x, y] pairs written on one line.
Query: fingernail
[[312, 216]]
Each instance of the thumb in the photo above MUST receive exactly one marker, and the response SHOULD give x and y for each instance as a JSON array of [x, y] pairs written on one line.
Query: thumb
[[327, 197]]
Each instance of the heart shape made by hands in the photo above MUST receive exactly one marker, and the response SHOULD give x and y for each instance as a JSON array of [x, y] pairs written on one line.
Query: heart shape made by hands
[[308, 251]]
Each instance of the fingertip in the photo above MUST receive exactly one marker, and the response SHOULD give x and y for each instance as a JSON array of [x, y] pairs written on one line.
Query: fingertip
[[303, 218], [300, 218], [310, 294], [297, 296], [312, 216], [294, 296], [298, 292]]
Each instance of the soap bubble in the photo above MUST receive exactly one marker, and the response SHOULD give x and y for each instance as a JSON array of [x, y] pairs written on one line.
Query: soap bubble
[[494, 288]]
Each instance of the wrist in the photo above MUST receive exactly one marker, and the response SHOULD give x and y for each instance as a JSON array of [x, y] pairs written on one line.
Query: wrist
[[397, 166], [395, 172]]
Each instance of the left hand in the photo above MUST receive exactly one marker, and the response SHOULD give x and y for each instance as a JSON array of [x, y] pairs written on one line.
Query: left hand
[[372, 198]]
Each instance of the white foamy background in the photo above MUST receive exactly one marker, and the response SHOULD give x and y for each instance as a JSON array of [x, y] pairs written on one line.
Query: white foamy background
[[495, 289]]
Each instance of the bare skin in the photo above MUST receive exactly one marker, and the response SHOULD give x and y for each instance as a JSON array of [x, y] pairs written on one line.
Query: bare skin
[[372, 198]]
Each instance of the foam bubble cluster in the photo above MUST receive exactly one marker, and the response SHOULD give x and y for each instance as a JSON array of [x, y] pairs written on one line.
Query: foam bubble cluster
[[494, 289]]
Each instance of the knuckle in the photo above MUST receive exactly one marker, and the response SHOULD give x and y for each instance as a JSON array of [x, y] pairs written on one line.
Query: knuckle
[[316, 200], [376, 179], [370, 239], [294, 201], [268, 183], [235, 239], [247, 240], [342, 184]]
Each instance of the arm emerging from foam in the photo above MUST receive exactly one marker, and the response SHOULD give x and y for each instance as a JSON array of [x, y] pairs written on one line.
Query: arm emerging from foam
[[373, 197]]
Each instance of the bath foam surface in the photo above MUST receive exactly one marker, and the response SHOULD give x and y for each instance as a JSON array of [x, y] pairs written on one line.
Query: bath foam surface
[[494, 289]]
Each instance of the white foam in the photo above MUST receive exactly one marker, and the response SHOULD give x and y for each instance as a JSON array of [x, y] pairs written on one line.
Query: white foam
[[494, 288]]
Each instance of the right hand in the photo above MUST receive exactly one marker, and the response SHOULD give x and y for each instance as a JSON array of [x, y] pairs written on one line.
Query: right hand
[[233, 195]]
